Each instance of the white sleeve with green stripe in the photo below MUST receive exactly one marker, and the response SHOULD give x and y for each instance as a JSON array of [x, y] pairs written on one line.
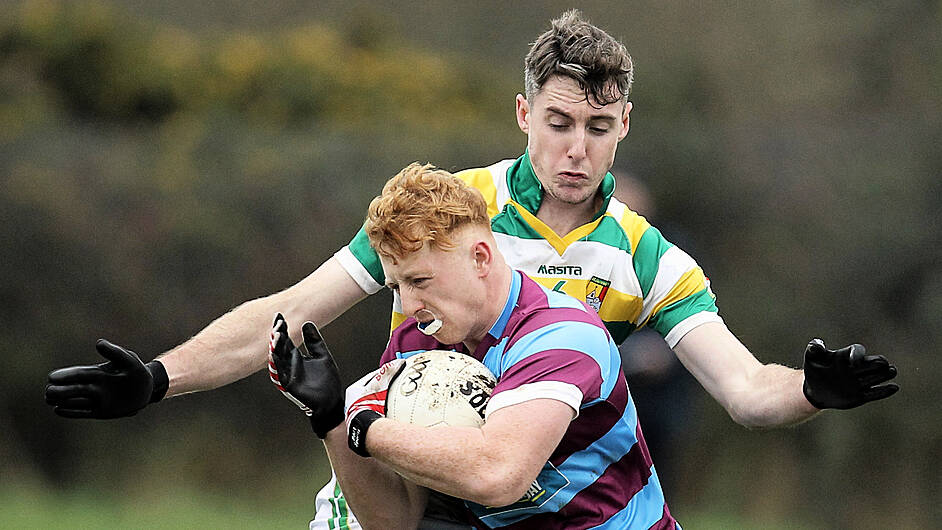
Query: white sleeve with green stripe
[[362, 263], [676, 294]]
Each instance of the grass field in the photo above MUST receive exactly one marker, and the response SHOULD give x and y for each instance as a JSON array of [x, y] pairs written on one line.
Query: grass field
[[29, 507], [33, 508]]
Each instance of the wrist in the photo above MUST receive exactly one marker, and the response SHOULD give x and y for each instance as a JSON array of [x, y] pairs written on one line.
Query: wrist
[[161, 381], [809, 396], [357, 429], [322, 426]]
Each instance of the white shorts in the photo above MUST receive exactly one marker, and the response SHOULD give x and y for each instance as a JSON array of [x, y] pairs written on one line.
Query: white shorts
[[331, 511]]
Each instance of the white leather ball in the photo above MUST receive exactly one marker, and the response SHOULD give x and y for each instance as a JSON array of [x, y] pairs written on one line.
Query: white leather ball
[[440, 388]]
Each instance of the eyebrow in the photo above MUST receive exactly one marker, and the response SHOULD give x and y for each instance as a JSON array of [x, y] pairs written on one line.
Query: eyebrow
[[595, 117], [408, 278]]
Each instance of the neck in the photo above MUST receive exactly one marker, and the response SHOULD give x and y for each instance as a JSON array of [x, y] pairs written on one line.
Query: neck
[[497, 291], [563, 217]]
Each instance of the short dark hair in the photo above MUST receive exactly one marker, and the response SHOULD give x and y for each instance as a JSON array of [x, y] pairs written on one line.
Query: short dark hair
[[574, 48]]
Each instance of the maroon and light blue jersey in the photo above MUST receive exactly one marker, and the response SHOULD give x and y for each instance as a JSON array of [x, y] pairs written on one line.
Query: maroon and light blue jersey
[[546, 344]]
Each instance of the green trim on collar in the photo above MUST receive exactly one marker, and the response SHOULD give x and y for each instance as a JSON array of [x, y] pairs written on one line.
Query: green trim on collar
[[525, 188], [608, 189]]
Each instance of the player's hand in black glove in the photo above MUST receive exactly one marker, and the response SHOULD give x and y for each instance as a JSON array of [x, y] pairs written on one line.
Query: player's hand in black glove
[[114, 389], [307, 375], [845, 378]]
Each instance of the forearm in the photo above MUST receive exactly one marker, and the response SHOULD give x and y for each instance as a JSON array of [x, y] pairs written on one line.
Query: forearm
[[771, 397], [236, 344], [756, 395], [232, 347], [452, 460], [376, 494], [493, 465]]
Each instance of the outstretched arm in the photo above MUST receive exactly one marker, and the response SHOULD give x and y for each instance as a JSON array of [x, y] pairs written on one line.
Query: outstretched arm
[[230, 348], [235, 345], [770, 395]]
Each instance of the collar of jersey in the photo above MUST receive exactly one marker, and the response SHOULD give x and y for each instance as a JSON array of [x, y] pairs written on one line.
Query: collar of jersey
[[498, 328], [526, 194], [526, 190]]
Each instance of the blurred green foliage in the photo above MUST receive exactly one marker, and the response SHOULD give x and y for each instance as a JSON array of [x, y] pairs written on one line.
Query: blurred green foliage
[[158, 169]]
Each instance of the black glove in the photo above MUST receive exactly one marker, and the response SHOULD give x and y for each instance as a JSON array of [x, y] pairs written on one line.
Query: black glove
[[307, 375], [114, 389], [845, 378]]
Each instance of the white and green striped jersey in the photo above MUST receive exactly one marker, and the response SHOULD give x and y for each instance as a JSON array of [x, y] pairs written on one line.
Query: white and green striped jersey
[[618, 263]]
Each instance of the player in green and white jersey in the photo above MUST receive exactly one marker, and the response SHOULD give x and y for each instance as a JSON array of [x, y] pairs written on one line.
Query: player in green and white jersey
[[617, 262]]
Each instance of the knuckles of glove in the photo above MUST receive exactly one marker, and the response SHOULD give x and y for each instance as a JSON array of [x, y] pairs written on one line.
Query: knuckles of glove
[[845, 378]]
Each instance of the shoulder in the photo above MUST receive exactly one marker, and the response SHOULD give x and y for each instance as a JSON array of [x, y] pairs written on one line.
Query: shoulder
[[491, 182], [633, 225], [547, 319]]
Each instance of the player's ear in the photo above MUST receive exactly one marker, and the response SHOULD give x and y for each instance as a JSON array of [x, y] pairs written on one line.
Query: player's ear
[[523, 113], [483, 256], [625, 121]]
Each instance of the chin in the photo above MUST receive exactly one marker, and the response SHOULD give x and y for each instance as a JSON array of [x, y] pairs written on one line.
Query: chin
[[445, 337], [571, 195], [573, 199]]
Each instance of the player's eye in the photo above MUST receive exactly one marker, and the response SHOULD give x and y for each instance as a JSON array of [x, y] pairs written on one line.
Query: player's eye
[[599, 130]]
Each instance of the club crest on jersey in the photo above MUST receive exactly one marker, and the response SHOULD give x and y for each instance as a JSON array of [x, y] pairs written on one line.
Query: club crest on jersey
[[596, 291], [548, 483]]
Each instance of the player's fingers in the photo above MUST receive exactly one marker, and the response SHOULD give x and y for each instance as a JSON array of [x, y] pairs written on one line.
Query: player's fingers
[[75, 374], [120, 357], [857, 355], [280, 325], [874, 362], [77, 403], [280, 343], [816, 351], [73, 413], [281, 357], [313, 341], [876, 376], [273, 339], [881, 392], [273, 373], [57, 393], [279, 370]]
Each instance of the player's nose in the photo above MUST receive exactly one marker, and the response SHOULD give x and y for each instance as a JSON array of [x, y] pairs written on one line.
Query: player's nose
[[410, 304], [577, 146]]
